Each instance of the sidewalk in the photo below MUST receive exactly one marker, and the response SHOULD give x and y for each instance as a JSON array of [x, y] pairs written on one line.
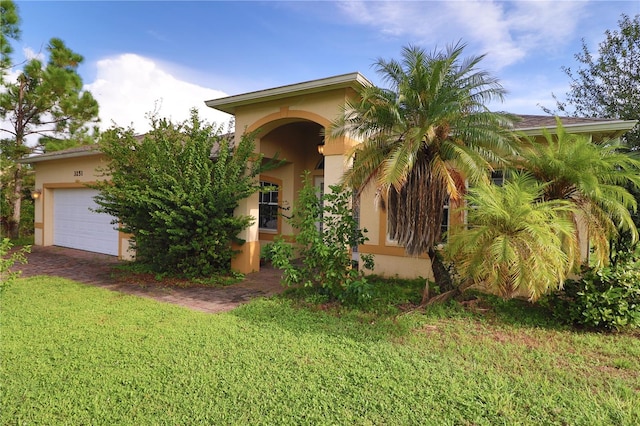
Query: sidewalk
[[98, 270]]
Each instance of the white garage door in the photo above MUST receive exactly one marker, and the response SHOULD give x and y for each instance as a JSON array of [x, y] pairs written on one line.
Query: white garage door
[[75, 225]]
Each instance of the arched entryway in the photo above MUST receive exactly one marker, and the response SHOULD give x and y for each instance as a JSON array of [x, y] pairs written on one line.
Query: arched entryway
[[298, 145], [290, 121]]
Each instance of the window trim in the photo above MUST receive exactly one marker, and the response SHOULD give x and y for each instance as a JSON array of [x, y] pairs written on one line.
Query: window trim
[[275, 182]]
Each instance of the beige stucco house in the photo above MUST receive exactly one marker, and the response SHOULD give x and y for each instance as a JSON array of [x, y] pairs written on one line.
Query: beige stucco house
[[290, 120]]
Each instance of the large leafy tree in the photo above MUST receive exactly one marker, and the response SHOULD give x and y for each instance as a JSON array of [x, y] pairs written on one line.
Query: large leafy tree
[[516, 242], [422, 137], [46, 100], [592, 176], [174, 198], [607, 83]]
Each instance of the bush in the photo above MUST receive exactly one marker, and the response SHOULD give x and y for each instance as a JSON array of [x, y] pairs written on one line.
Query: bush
[[27, 213], [7, 260], [606, 298], [266, 253], [176, 200], [324, 251]]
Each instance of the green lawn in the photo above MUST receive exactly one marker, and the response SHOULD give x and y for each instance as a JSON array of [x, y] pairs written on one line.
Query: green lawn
[[74, 354]]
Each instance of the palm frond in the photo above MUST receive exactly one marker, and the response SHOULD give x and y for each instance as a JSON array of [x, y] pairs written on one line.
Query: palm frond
[[516, 242], [592, 177], [422, 134]]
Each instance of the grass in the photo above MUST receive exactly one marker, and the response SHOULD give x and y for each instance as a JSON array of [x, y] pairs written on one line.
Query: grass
[[75, 354], [22, 241]]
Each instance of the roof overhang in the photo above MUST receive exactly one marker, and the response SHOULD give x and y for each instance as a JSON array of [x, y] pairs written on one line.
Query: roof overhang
[[229, 104], [611, 128], [84, 151]]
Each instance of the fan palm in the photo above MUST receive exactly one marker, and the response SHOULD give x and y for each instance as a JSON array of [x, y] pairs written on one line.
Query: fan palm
[[592, 177], [516, 242], [423, 137]]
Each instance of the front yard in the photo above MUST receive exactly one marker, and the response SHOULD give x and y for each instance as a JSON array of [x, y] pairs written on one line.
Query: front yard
[[75, 354]]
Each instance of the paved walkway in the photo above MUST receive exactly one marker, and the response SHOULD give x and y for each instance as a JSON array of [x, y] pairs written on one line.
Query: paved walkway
[[97, 269]]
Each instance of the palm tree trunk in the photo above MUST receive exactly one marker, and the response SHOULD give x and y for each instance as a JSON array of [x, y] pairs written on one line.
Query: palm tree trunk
[[425, 292], [440, 274]]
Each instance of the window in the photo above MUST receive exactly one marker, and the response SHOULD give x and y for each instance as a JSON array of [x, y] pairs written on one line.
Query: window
[[268, 207], [497, 177], [444, 226]]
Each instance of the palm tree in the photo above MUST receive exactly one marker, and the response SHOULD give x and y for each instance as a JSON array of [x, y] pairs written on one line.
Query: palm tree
[[515, 241], [422, 138], [592, 176]]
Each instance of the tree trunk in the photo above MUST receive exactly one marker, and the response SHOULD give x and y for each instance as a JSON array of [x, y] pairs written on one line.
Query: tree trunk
[[21, 121], [13, 230], [425, 292], [440, 274]]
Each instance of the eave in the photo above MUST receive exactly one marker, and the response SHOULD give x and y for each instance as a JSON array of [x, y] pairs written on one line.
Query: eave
[[611, 128], [83, 151], [229, 104]]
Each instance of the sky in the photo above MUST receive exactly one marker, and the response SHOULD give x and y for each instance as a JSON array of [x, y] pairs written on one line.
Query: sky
[[170, 56]]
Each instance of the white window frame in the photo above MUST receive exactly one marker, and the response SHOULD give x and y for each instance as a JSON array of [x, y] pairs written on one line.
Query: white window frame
[[261, 202]]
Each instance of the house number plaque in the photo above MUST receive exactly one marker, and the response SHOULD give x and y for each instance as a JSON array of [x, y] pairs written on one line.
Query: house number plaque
[[77, 173]]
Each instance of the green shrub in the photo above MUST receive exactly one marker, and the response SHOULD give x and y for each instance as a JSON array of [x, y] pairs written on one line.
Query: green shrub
[[266, 252], [27, 213], [176, 200], [7, 260], [327, 230], [606, 298]]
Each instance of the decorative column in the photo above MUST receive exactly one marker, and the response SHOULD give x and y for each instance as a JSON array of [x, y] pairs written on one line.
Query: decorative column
[[248, 260]]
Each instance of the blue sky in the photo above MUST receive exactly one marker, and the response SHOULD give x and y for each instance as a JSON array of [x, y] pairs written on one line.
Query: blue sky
[[170, 56]]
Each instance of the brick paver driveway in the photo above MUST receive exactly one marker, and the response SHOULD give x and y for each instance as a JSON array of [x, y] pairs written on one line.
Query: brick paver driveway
[[97, 269]]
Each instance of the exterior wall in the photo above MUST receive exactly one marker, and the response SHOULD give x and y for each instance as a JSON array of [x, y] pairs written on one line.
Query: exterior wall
[[272, 119], [276, 121], [75, 172], [390, 259], [290, 127], [402, 266], [321, 108]]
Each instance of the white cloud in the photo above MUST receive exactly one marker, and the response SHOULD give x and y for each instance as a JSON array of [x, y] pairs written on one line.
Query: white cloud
[[545, 24], [485, 24], [508, 32], [128, 87], [529, 93], [29, 54], [398, 18]]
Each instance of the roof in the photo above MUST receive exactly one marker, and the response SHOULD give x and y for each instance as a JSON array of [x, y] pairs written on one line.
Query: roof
[[229, 104], [550, 120], [532, 125], [78, 151]]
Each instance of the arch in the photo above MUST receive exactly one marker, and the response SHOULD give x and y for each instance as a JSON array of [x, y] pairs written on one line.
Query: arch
[[286, 113]]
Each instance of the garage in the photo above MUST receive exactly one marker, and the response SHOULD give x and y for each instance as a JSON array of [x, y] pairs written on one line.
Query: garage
[[63, 203], [76, 225]]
